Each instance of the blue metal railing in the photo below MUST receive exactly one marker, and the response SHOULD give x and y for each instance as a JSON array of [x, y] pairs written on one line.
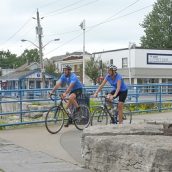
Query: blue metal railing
[[18, 107]]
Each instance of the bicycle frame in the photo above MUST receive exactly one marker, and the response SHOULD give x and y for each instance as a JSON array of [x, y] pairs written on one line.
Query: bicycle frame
[[105, 106], [61, 105], [80, 118], [107, 111]]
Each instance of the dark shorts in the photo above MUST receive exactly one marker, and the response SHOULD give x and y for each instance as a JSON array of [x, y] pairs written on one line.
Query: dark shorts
[[77, 92], [122, 95]]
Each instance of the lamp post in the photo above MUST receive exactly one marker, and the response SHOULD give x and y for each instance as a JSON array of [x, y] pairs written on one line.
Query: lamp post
[[40, 48], [131, 45], [82, 25]]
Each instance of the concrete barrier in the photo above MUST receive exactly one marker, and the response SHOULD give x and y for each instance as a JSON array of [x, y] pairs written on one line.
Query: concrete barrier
[[135, 148]]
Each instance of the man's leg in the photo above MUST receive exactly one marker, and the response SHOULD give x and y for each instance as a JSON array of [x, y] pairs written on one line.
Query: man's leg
[[72, 101]]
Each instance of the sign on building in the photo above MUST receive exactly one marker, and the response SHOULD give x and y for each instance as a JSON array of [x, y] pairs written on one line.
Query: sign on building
[[160, 59]]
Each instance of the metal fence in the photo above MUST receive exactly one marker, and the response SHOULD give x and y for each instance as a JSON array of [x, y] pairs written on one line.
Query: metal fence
[[18, 107]]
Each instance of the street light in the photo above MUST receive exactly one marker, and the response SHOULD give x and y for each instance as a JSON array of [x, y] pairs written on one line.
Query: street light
[[82, 25], [24, 40], [131, 45], [41, 56], [51, 41]]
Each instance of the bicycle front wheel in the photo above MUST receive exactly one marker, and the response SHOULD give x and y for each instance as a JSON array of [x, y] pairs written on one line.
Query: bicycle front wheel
[[54, 119], [82, 117], [99, 117]]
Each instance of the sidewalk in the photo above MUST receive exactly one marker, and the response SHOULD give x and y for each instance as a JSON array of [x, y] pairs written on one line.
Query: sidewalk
[[34, 150], [14, 158], [161, 117]]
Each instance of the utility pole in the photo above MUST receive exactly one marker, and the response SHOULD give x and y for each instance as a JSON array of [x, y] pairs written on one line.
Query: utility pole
[[82, 25], [131, 45], [39, 33]]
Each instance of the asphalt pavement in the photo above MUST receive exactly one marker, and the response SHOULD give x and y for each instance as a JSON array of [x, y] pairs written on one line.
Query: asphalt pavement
[[33, 149]]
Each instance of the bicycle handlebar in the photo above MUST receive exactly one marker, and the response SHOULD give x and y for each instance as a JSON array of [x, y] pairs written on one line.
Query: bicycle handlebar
[[55, 95]]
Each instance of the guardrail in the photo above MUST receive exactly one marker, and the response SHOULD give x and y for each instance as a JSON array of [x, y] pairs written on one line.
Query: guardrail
[[18, 107]]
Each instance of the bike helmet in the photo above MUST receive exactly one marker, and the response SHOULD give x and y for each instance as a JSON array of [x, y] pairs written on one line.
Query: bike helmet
[[67, 67], [113, 67]]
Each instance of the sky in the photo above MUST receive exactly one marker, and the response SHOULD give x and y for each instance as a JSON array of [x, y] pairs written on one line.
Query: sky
[[110, 24]]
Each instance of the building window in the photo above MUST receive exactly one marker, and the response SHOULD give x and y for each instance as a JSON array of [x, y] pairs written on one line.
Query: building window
[[124, 62]]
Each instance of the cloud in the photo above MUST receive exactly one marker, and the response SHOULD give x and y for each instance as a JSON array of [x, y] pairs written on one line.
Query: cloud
[[15, 13]]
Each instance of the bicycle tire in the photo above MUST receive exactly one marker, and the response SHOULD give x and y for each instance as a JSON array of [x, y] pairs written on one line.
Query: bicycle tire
[[54, 119], [127, 114], [82, 117], [99, 117]]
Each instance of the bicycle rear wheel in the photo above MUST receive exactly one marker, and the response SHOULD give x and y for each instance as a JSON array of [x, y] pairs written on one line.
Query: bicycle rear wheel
[[99, 117], [128, 114], [54, 119], [82, 117]]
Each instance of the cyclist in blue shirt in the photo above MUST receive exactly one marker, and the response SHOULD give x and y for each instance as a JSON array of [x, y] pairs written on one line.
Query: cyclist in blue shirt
[[74, 88], [119, 89]]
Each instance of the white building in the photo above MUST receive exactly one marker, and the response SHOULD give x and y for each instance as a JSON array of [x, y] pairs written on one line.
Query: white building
[[74, 59], [140, 66]]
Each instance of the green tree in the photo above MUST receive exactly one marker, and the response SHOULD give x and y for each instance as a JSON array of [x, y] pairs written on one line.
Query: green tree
[[158, 26], [92, 69], [29, 56], [7, 59], [51, 68]]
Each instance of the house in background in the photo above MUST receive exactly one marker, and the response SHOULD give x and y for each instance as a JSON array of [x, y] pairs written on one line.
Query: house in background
[[74, 59], [26, 77]]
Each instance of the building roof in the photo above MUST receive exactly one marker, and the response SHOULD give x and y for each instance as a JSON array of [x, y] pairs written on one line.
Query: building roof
[[27, 66], [68, 56], [108, 51], [17, 75], [23, 71]]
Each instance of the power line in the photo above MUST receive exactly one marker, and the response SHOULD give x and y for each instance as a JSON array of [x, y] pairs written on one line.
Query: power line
[[65, 43], [98, 25], [20, 28], [72, 4], [28, 31], [48, 4], [84, 5], [116, 14], [63, 33], [100, 22], [106, 21]]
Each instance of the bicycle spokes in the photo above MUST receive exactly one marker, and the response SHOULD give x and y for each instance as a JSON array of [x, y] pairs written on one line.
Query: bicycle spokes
[[82, 117], [54, 120]]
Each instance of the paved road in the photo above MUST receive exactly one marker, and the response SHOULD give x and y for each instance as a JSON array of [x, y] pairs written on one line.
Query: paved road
[[34, 149], [15, 158]]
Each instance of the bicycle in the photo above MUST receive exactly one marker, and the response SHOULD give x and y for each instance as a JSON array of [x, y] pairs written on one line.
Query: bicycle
[[104, 114], [55, 116]]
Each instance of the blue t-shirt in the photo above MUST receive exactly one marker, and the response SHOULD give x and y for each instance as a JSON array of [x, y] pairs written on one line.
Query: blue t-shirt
[[69, 80], [113, 83]]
